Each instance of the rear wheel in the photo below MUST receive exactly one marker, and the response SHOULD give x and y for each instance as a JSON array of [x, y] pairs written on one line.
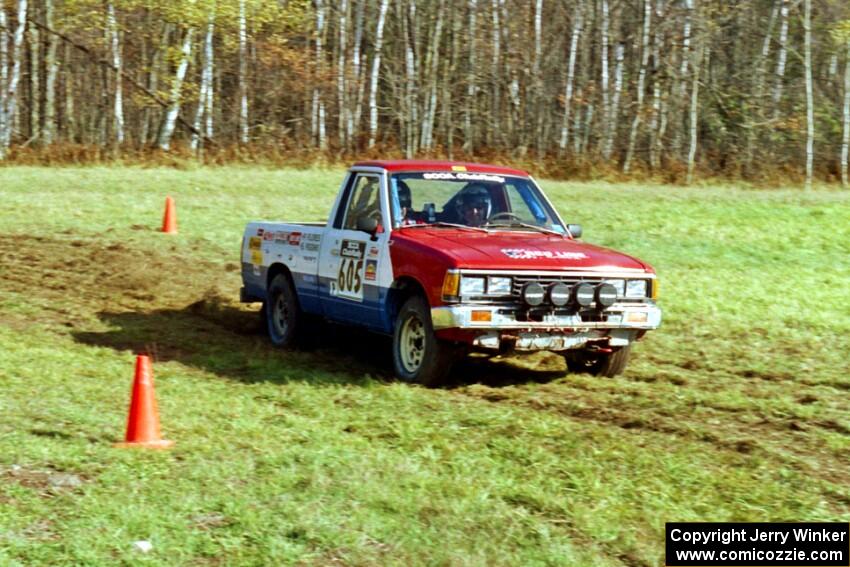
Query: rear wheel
[[418, 356], [599, 364], [282, 313]]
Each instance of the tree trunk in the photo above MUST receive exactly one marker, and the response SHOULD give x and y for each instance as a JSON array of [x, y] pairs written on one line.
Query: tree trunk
[[654, 142], [468, 126], [810, 102], [243, 74], [70, 114], [35, 82], [615, 102], [376, 68], [4, 76], [167, 129], [605, 111], [780, 62], [644, 61], [49, 132], [115, 44], [845, 140], [692, 150], [571, 67], [342, 46], [354, 107], [11, 82], [205, 94]]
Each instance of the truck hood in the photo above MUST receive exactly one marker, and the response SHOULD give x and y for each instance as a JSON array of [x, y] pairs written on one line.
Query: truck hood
[[511, 250]]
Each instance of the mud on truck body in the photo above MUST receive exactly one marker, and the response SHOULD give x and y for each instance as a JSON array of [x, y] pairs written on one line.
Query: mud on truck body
[[447, 258]]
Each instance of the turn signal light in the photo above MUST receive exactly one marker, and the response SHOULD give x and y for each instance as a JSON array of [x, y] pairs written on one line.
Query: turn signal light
[[654, 288], [451, 285], [482, 316]]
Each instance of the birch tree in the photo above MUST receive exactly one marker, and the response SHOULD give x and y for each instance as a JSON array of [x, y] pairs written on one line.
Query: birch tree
[[205, 94], [571, 67], [115, 46], [644, 62], [243, 74], [12, 77], [845, 138], [810, 103], [376, 68], [779, 79], [49, 130], [319, 131], [170, 119]]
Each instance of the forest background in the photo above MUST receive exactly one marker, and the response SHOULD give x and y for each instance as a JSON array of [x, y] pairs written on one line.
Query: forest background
[[754, 90]]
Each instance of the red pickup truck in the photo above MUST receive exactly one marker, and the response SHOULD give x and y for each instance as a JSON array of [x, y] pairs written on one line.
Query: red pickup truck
[[450, 257]]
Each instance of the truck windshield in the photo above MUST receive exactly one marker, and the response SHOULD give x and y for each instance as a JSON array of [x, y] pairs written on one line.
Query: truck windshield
[[470, 199]]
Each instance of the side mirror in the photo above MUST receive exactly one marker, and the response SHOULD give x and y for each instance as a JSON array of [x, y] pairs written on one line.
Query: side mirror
[[575, 230], [367, 224]]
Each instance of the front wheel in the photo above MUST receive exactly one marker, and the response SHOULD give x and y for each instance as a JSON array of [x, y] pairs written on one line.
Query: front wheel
[[599, 364], [282, 312], [418, 356]]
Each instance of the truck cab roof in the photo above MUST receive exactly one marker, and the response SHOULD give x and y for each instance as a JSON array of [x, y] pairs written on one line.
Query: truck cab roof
[[410, 165]]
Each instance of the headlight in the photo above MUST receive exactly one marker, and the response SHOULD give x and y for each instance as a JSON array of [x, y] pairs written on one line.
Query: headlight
[[583, 294], [498, 286], [559, 294], [636, 289], [533, 294], [471, 286], [606, 295], [619, 285]]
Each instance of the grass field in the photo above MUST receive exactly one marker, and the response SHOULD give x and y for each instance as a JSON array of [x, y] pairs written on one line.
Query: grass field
[[735, 410]]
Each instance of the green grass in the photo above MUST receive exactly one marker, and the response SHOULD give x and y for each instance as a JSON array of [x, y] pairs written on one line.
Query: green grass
[[735, 410]]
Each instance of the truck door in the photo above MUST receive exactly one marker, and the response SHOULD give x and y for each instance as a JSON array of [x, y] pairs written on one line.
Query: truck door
[[348, 264]]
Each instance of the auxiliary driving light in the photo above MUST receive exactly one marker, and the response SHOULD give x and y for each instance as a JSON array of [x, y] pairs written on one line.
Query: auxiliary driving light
[[559, 294], [533, 294], [583, 294], [606, 295]]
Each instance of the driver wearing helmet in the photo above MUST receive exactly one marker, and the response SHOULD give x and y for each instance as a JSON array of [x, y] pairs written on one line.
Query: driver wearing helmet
[[405, 204], [473, 204]]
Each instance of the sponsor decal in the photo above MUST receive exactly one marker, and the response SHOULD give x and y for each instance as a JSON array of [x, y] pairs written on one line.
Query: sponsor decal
[[268, 236], [349, 282], [310, 259], [352, 249], [309, 246], [281, 237], [257, 271], [371, 270], [254, 243], [313, 237], [256, 257], [458, 168], [260, 231], [446, 176], [524, 254], [373, 252], [294, 238]]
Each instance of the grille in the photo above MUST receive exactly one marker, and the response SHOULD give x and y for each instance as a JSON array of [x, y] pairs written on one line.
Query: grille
[[520, 280]]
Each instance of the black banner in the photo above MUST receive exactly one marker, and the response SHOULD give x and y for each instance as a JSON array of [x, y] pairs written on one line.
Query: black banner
[[695, 544]]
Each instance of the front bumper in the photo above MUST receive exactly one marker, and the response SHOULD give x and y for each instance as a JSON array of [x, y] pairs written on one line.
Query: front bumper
[[494, 327]]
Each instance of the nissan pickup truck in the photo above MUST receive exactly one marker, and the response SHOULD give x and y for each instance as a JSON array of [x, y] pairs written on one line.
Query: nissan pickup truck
[[450, 258]]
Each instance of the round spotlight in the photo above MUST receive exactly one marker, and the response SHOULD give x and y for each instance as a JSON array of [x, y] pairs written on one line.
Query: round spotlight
[[583, 294], [533, 294], [559, 294], [606, 295]]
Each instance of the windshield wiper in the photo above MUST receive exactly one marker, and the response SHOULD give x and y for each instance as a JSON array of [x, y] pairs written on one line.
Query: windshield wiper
[[526, 225], [441, 223]]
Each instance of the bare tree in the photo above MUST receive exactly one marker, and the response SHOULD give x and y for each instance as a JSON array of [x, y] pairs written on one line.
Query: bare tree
[[644, 62], [168, 123], [692, 150], [376, 68], [115, 46], [810, 103], [783, 54], [243, 74], [10, 81], [845, 138], [205, 95], [571, 67], [49, 130]]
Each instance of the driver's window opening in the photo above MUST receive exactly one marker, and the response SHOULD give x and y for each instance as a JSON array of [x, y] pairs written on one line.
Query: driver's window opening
[[364, 202], [473, 200]]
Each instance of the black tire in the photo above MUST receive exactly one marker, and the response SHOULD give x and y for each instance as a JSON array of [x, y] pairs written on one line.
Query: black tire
[[282, 313], [598, 364], [418, 356]]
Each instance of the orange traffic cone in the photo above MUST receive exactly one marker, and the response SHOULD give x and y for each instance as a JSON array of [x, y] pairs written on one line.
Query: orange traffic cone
[[169, 220], [143, 421]]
